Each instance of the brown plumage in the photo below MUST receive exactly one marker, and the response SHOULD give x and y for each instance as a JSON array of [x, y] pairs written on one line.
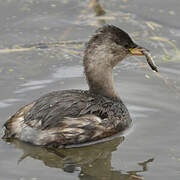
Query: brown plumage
[[70, 117]]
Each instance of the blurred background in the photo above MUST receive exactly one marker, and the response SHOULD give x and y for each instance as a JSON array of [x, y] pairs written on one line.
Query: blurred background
[[41, 48]]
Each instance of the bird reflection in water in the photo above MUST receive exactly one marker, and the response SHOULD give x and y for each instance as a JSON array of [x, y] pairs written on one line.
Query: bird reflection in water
[[93, 162]]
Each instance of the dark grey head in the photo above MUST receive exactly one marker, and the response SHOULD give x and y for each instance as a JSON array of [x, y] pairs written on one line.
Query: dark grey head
[[110, 45], [114, 35]]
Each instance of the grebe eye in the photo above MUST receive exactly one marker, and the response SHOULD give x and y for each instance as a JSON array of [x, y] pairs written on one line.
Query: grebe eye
[[126, 46]]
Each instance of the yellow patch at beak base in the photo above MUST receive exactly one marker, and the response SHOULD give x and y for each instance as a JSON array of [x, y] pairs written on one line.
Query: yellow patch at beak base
[[136, 51]]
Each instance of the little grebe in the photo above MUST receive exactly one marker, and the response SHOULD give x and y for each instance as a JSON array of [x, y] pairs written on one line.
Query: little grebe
[[70, 117]]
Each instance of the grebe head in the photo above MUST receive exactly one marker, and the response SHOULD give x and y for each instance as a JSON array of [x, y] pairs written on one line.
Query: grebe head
[[110, 45], [107, 47]]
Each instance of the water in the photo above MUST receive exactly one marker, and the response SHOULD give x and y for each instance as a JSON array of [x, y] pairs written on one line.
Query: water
[[150, 150]]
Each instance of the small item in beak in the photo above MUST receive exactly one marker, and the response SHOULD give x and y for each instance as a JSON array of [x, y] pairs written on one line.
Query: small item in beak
[[150, 60]]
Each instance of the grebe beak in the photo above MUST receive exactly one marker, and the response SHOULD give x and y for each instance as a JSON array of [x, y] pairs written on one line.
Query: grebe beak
[[137, 50]]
